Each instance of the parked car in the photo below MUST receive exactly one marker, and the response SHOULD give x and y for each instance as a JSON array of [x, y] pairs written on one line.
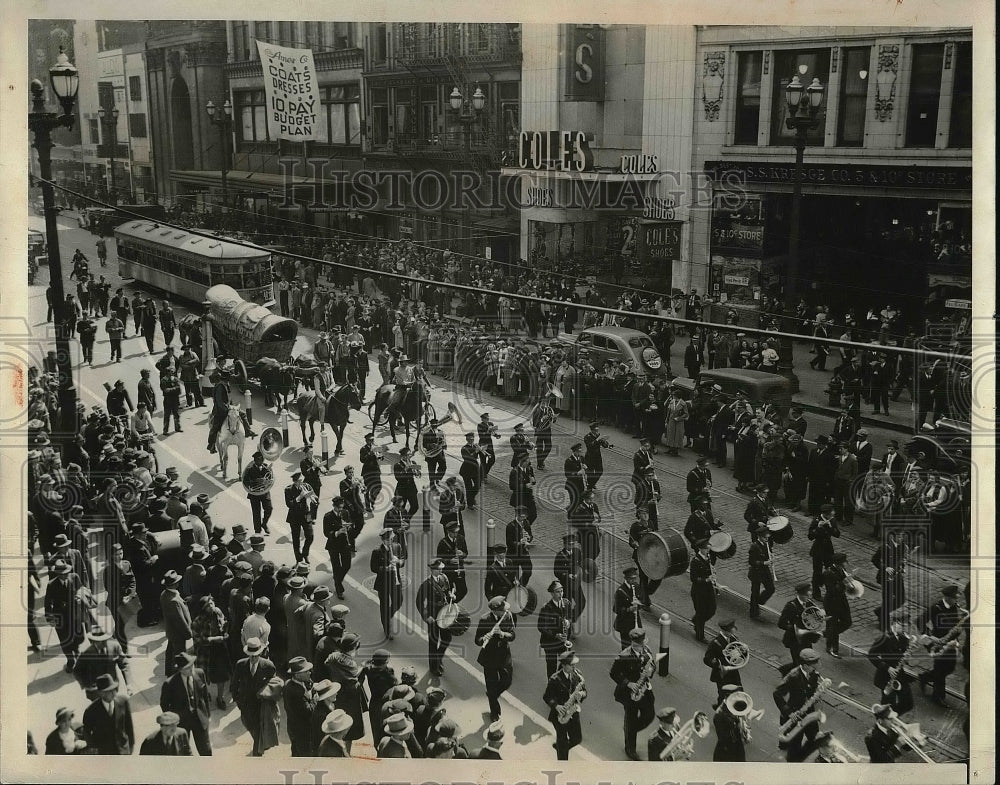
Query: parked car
[[620, 345]]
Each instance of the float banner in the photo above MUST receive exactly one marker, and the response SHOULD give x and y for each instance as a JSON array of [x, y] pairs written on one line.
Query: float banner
[[291, 92]]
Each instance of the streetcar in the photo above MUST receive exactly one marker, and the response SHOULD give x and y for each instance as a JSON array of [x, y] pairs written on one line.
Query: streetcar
[[187, 265]]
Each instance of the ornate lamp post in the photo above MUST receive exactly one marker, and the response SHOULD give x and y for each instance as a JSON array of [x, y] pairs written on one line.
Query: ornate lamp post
[[472, 110], [224, 122], [109, 119], [803, 116], [65, 82]]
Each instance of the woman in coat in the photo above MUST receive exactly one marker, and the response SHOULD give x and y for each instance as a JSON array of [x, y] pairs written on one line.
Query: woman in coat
[[772, 463], [678, 411], [796, 471], [745, 452], [208, 629], [345, 670], [67, 738]]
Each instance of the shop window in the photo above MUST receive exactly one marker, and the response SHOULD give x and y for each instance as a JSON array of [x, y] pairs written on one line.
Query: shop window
[[925, 95], [960, 126], [807, 64], [748, 98], [853, 96]]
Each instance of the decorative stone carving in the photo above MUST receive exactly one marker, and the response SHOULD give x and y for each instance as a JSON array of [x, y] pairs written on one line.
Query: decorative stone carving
[[155, 59], [834, 57], [767, 61], [885, 81], [712, 80], [947, 55], [174, 63]]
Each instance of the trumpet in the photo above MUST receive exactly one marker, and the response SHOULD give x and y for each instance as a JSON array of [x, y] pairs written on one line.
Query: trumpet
[[681, 744], [307, 494]]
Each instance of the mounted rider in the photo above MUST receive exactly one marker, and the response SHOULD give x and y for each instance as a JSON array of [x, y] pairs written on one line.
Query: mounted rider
[[404, 377], [220, 399]]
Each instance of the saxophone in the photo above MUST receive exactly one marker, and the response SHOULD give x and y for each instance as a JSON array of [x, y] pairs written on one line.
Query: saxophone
[[572, 706], [802, 717], [894, 684], [645, 679]]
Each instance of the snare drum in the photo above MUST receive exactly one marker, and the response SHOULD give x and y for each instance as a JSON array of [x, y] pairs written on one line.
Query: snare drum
[[453, 619], [663, 554], [722, 545], [780, 528]]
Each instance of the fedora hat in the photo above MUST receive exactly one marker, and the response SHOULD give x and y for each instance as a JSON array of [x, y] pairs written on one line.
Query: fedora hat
[[171, 578], [398, 725], [61, 568], [337, 721], [253, 646], [105, 682], [325, 689], [184, 658], [299, 665], [98, 633]]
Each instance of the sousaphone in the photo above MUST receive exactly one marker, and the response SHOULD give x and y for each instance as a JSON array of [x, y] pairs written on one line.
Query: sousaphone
[[271, 444]]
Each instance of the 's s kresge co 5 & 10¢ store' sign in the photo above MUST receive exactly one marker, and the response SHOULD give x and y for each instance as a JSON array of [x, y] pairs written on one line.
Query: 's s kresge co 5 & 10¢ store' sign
[[291, 92]]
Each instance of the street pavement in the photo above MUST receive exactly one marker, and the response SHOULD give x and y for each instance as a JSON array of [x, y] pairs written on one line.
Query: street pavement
[[529, 734]]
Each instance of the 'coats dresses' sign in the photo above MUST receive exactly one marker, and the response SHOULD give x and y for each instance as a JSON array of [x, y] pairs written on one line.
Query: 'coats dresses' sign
[[290, 88]]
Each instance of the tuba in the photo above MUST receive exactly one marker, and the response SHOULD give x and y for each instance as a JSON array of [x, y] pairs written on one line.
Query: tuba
[[453, 414], [740, 705], [270, 444], [681, 744]]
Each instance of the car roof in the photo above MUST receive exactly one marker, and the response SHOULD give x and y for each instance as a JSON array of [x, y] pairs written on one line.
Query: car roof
[[621, 332]]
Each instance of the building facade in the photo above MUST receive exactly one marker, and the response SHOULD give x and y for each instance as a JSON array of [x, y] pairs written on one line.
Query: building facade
[[886, 210]]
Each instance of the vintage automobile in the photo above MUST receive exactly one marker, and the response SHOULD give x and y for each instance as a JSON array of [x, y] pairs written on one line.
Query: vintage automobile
[[760, 387], [620, 345], [37, 253]]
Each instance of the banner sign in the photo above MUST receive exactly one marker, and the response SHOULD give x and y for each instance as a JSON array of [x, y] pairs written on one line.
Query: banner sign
[[292, 96], [954, 178]]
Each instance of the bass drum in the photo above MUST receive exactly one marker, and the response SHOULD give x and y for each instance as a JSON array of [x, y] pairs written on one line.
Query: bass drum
[[173, 556], [523, 600], [663, 554]]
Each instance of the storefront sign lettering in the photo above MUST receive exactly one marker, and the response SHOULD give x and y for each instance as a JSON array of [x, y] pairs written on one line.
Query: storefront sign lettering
[[291, 92], [660, 241], [540, 197], [639, 164], [855, 175], [566, 151], [584, 53]]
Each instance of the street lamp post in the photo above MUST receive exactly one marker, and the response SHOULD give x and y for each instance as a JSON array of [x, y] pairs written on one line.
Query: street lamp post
[[65, 82], [467, 118], [803, 116], [109, 118], [224, 122]]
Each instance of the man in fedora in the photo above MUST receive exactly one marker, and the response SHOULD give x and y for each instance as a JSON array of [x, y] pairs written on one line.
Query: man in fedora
[[64, 610], [140, 550], [119, 580], [107, 721], [238, 544], [494, 634], [255, 556], [315, 616], [398, 729], [250, 676], [170, 739], [299, 706], [104, 655], [72, 556], [176, 618], [186, 695], [324, 695], [494, 740], [336, 725]]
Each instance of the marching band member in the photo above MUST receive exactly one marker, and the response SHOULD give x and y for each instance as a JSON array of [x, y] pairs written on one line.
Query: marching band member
[[886, 654], [354, 502], [452, 549], [487, 432], [371, 472], [647, 494], [522, 490], [434, 452], [471, 469], [627, 602], [396, 519], [632, 672], [519, 445], [836, 605], [698, 526], [567, 689], [542, 417], [730, 745], [554, 626], [311, 470], [517, 549], [890, 562], [723, 674], [944, 623], [703, 589], [434, 593], [641, 526], [406, 471], [699, 481], [882, 740], [500, 575], [302, 505], [386, 562], [576, 478], [567, 567], [761, 570], [339, 544], [795, 691], [451, 502], [584, 522], [642, 460], [255, 478], [670, 723], [759, 509], [821, 531], [796, 638], [494, 634], [593, 458]]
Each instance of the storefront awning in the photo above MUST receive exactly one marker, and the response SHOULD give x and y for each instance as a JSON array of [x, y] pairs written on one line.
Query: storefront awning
[[555, 174]]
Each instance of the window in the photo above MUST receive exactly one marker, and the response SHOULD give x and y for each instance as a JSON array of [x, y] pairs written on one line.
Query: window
[[343, 35], [960, 127], [316, 35], [241, 41], [509, 107], [428, 112], [286, 34], [481, 37], [95, 131], [137, 125], [853, 96], [639, 342], [341, 115], [380, 43], [406, 121], [251, 111], [262, 31], [380, 117], [807, 64], [600, 342], [925, 94], [135, 88], [748, 97]]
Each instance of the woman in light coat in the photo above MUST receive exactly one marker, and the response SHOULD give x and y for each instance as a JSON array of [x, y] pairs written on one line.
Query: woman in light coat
[[678, 411]]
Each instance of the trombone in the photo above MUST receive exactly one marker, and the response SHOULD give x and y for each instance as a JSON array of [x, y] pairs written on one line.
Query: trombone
[[911, 736]]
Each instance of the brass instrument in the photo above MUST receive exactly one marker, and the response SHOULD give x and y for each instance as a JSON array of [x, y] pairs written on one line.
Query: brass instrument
[[802, 717], [496, 629], [308, 495], [740, 705], [270, 444], [736, 654], [770, 558], [572, 706], [948, 641], [843, 755], [553, 391], [894, 684], [853, 588], [262, 486], [812, 620], [910, 735], [681, 744], [453, 414]]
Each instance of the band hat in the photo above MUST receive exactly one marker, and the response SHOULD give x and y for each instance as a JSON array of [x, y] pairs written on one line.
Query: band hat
[[882, 711], [728, 624], [253, 646], [809, 655], [398, 725], [498, 603], [761, 528], [630, 572], [299, 665], [839, 558], [495, 732], [168, 718], [386, 530], [325, 689], [950, 590], [437, 564], [554, 585], [702, 461], [337, 721], [801, 588]]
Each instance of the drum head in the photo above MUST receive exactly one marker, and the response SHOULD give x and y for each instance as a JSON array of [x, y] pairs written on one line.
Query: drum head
[[663, 554], [447, 615], [777, 522], [719, 542], [523, 600]]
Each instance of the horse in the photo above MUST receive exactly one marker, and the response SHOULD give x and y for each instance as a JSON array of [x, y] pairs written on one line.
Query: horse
[[229, 434], [277, 380], [333, 409], [411, 410]]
